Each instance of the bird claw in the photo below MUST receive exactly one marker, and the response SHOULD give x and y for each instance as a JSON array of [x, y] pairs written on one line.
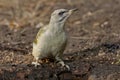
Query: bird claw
[[35, 63], [67, 66], [64, 65]]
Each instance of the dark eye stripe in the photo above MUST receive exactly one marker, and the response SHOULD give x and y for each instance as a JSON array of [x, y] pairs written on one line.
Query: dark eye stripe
[[61, 13]]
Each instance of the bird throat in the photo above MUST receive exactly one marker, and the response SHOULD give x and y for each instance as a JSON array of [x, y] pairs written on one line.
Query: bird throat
[[56, 27]]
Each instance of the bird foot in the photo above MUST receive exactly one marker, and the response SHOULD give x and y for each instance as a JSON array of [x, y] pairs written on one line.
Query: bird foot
[[64, 65], [35, 63], [67, 66]]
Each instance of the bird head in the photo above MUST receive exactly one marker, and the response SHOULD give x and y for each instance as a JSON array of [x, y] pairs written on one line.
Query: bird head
[[61, 15]]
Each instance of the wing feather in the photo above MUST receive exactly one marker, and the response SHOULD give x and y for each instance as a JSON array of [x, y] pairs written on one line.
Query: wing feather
[[41, 31]]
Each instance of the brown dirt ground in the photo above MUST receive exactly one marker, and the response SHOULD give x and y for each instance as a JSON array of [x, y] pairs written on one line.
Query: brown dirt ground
[[93, 51]]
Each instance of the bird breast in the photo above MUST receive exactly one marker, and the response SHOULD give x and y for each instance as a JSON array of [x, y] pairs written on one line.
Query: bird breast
[[51, 42]]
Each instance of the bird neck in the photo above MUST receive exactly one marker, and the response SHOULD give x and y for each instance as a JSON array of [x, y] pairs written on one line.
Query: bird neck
[[56, 27]]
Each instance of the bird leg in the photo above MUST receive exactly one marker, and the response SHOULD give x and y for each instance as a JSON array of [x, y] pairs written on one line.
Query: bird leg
[[60, 61]]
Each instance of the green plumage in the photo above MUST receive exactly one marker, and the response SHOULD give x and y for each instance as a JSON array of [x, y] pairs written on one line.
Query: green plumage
[[41, 31], [51, 40]]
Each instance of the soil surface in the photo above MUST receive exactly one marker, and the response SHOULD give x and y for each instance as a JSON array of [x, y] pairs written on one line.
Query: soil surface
[[93, 50]]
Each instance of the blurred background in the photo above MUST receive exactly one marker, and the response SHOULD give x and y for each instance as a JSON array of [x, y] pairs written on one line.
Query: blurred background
[[93, 30]]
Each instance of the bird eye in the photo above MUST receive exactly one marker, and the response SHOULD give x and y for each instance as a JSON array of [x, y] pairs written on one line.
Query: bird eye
[[61, 13]]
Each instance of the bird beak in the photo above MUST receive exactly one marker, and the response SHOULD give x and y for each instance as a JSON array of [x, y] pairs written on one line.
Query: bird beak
[[72, 10]]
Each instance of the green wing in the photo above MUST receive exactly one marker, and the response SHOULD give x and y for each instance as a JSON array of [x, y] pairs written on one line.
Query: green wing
[[41, 31]]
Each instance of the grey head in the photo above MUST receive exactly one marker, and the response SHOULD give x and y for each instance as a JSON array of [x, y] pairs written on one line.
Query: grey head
[[61, 15]]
